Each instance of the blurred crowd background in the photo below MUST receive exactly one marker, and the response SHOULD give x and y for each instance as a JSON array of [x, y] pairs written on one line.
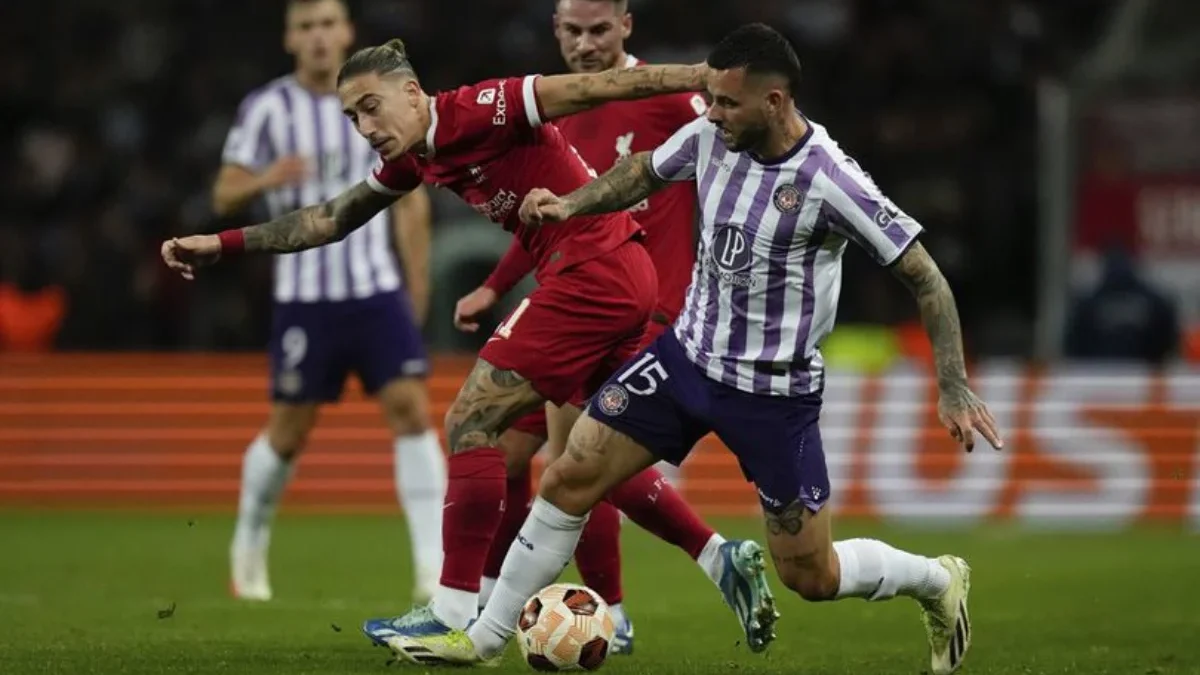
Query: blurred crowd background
[[114, 114]]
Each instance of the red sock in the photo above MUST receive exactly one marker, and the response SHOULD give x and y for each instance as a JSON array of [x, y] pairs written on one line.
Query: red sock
[[471, 515], [598, 555], [516, 509], [650, 501]]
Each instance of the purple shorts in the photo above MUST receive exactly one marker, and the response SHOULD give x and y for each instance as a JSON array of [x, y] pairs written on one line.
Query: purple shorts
[[314, 346], [664, 402]]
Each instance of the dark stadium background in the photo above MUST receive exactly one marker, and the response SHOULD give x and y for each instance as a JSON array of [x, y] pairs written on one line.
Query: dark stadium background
[[1051, 148]]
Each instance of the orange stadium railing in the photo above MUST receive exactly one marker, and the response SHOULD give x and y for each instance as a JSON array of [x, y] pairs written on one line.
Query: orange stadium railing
[[1085, 446]]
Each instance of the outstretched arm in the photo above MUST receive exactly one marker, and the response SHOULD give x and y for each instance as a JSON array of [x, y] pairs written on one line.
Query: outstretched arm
[[917, 270], [317, 225], [959, 407], [562, 95], [630, 181]]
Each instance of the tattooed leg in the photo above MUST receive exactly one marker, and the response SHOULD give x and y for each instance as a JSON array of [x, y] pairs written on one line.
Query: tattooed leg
[[488, 403], [597, 459], [801, 544]]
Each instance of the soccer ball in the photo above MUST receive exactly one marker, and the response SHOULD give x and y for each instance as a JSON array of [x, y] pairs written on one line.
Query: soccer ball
[[565, 627]]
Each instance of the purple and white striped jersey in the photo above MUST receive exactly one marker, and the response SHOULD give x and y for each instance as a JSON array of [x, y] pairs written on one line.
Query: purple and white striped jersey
[[768, 272], [281, 119]]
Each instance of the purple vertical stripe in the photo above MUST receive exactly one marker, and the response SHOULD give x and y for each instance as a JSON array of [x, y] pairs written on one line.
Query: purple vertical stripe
[[264, 150], [670, 167], [739, 322], [776, 312], [290, 148], [326, 272], [872, 208], [808, 301], [349, 170], [728, 200], [708, 173]]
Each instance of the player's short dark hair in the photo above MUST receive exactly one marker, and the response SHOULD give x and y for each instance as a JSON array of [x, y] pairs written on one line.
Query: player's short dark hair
[[385, 59], [761, 50], [292, 3]]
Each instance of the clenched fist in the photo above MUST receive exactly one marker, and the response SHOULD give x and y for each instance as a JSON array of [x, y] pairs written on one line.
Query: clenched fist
[[470, 306], [186, 254], [543, 206]]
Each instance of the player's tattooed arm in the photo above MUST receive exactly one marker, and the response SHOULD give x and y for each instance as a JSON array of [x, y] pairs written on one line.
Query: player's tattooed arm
[[490, 400], [630, 181], [958, 407], [562, 95], [317, 225]]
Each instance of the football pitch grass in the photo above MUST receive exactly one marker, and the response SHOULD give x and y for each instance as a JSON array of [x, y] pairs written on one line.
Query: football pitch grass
[[138, 593]]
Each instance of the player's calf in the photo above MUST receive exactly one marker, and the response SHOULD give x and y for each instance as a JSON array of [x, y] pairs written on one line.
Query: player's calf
[[421, 476], [489, 401]]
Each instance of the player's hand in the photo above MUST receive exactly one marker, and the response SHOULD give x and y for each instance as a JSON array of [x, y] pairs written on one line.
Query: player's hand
[[285, 171], [543, 206], [962, 413], [470, 306], [185, 255]]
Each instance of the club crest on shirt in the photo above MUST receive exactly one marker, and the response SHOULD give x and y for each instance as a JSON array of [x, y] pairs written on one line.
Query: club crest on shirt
[[787, 198], [612, 400]]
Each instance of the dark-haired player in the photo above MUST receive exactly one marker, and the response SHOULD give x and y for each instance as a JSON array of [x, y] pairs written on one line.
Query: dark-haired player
[[338, 308], [779, 201], [490, 144], [591, 37]]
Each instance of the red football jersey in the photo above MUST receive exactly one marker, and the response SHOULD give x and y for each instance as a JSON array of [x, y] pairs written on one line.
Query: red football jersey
[[615, 130], [489, 144]]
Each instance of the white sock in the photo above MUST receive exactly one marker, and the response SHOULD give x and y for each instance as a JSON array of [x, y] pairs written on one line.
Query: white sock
[[710, 558], [421, 487], [454, 607], [264, 476], [874, 570], [617, 612], [539, 554], [486, 586]]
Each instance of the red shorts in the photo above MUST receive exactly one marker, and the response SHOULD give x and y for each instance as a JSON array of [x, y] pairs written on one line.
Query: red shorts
[[534, 423], [573, 331]]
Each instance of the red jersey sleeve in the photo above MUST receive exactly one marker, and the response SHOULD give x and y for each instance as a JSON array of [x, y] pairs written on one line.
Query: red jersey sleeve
[[689, 107], [397, 177], [512, 268], [488, 110]]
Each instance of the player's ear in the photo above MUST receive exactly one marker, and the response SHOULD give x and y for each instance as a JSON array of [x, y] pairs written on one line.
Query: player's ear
[[412, 89], [775, 101], [626, 26]]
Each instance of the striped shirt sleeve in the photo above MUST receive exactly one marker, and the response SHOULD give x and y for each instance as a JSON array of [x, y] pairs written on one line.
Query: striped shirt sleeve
[[675, 159], [865, 215]]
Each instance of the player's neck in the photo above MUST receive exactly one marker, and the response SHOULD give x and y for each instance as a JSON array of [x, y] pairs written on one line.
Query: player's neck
[[317, 83], [784, 141], [426, 117]]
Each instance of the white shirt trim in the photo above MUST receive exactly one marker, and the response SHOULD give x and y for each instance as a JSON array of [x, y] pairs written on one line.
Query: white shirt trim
[[529, 96], [433, 122], [382, 189], [631, 61]]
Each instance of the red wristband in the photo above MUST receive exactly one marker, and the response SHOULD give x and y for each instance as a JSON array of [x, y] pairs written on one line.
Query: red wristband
[[232, 241]]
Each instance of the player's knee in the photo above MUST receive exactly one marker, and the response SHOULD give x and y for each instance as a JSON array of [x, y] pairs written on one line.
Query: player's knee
[[813, 583], [572, 482], [406, 407], [287, 441], [519, 448]]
